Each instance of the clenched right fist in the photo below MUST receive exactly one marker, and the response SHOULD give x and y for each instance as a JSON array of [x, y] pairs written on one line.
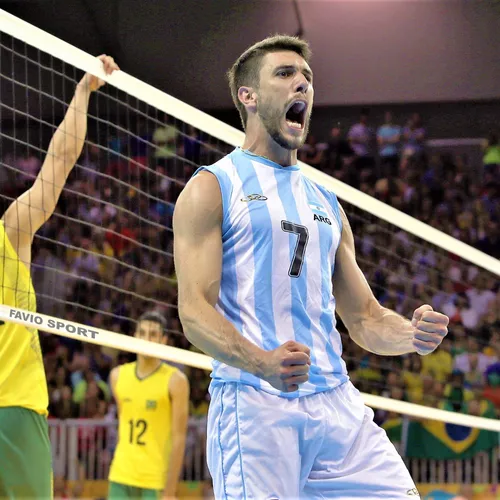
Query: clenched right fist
[[286, 367]]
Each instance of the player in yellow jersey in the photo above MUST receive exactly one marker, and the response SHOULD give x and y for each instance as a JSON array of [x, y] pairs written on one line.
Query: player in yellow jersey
[[153, 405], [25, 454]]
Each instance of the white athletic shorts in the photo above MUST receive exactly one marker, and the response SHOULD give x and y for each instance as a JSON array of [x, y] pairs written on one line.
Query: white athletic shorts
[[326, 445]]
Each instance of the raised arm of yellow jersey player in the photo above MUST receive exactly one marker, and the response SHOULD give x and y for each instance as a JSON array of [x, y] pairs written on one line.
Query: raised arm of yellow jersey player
[[178, 389], [373, 327], [198, 264], [33, 208]]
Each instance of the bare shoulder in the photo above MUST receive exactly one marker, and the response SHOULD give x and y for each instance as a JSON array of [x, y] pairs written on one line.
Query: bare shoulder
[[343, 215], [19, 239], [113, 376], [200, 193], [198, 210], [178, 384], [347, 236]]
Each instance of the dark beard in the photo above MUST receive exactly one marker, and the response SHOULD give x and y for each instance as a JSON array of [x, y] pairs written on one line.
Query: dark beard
[[271, 119], [281, 141]]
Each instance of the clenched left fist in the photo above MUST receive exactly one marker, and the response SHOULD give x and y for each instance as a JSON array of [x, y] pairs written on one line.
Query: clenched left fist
[[431, 328]]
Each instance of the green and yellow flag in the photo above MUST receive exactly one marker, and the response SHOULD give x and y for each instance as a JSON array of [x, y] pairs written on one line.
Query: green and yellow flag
[[444, 441]]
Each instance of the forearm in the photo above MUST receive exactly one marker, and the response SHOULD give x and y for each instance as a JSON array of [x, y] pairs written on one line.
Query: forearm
[[65, 147], [175, 465], [34, 207], [383, 332], [208, 330]]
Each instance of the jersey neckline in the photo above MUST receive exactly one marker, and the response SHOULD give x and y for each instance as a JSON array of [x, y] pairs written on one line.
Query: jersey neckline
[[141, 379], [266, 161]]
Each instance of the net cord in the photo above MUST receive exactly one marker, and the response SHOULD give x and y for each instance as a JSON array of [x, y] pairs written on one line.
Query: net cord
[[122, 342]]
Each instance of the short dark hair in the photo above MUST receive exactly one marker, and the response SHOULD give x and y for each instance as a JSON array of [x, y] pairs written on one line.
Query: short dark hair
[[246, 69], [155, 317]]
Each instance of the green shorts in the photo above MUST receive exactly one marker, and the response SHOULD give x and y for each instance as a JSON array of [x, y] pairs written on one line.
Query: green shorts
[[118, 491], [25, 455]]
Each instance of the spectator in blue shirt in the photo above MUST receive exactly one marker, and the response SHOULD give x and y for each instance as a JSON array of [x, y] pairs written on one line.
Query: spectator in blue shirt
[[388, 138]]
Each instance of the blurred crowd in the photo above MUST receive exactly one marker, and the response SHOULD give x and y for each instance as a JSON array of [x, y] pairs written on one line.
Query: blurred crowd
[[106, 256], [390, 162]]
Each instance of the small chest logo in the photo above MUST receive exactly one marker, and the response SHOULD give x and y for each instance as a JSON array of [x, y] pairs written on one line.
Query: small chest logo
[[320, 218], [150, 404], [254, 197]]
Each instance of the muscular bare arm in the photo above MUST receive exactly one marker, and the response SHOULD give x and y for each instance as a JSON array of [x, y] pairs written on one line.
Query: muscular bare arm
[[24, 217], [373, 327], [198, 264]]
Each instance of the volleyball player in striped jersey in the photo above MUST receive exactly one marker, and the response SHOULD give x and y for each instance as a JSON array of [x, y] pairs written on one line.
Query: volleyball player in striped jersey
[[25, 452], [256, 247]]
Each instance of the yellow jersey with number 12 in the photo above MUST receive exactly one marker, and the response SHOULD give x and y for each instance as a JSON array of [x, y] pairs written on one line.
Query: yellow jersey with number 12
[[144, 426], [22, 376]]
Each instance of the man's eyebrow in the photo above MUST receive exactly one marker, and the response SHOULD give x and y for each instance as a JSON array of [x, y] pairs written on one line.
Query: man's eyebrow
[[292, 66], [308, 71]]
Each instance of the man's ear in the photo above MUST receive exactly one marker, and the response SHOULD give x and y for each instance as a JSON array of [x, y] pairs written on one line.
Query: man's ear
[[248, 97]]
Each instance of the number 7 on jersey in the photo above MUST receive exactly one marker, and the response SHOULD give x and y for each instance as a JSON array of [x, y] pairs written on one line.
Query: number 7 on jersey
[[300, 247]]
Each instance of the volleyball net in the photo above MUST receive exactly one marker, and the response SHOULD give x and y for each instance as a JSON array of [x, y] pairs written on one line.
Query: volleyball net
[[105, 256]]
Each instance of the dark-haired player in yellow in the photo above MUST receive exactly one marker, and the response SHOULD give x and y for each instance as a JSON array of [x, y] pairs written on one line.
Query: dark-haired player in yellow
[[25, 453], [153, 406]]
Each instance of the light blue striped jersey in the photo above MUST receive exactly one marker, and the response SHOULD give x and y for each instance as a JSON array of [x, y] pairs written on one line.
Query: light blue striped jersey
[[280, 234]]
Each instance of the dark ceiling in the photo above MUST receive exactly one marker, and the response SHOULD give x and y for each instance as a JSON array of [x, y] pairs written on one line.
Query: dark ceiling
[[180, 46]]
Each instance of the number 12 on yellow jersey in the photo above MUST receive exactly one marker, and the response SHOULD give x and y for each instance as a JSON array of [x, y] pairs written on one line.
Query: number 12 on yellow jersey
[[137, 429]]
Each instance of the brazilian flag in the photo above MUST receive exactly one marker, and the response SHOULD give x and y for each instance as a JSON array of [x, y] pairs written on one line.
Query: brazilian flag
[[393, 427], [443, 441]]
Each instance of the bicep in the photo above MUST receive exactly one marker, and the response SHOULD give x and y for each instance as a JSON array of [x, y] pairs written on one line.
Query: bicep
[[353, 295], [198, 240], [30, 211]]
